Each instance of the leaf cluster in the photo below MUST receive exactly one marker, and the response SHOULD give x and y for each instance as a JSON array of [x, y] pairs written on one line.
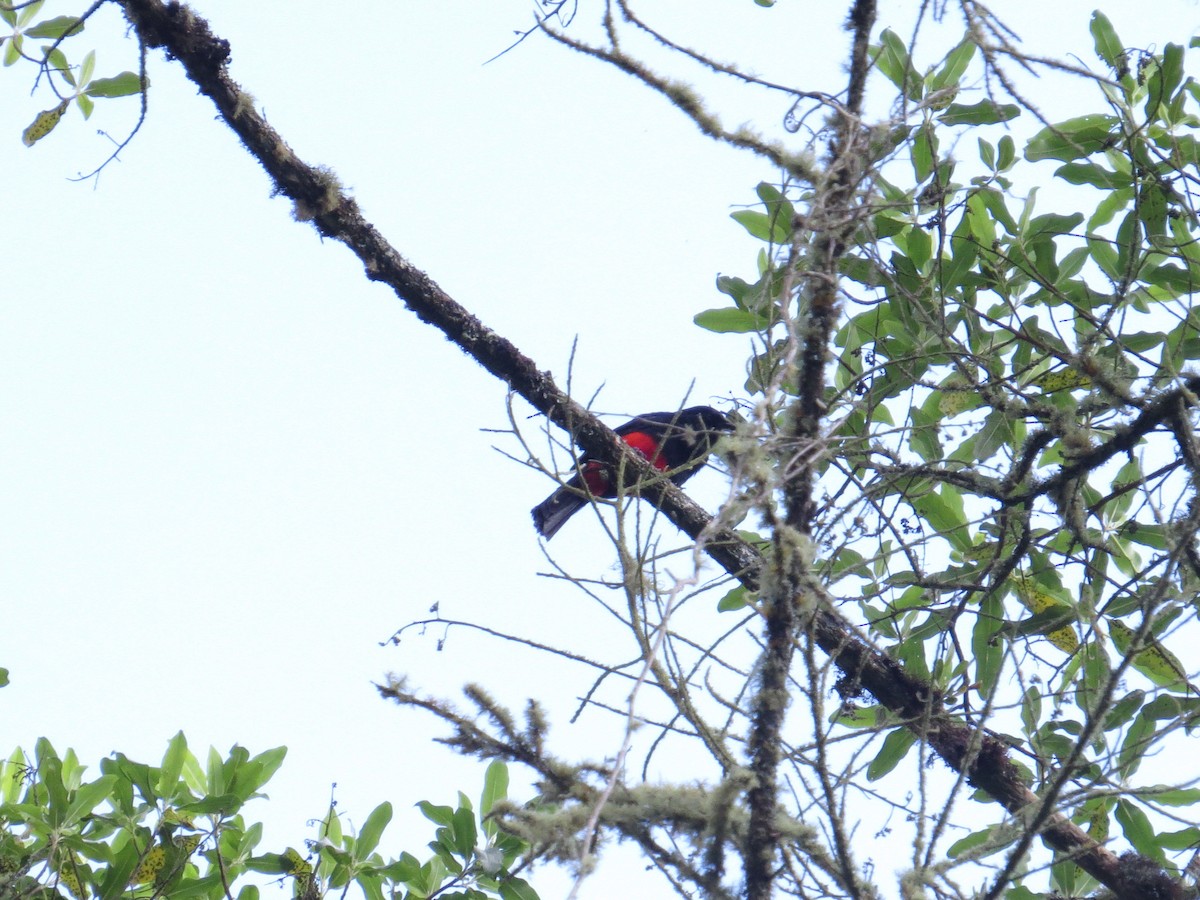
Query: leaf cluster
[[179, 830], [69, 82], [997, 492]]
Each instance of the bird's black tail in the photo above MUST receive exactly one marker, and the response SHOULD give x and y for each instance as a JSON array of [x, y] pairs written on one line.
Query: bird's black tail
[[552, 513]]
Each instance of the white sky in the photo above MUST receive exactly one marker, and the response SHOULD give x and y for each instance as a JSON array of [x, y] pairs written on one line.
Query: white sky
[[230, 466]]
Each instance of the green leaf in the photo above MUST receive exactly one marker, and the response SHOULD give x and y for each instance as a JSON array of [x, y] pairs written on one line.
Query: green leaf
[[331, 827], [1169, 796], [985, 836], [1105, 255], [269, 864], [887, 224], [119, 872], [1152, 209], [923, 439], [988, 652], [919, 246], [495, 787], [1072, 139], [3, 677], [1178, 841], [172, 765], [56, 28], [133, 773], [895, 747], [993, 202], [762, 225], [518, 888], [49, 768], [987, 153], [464, 832], [1108, 46], [1124, 710], [985, 112], [860, 716], [1093, 174], [995, 433], [57, 61], [12, 49], [1067, 878], [864, 271], [1107, 209], [1127, 241], [730, 320], [12, 776], [1053, 224], [1138, 831], [405, 869], [955, 66], [372, 830], [88, 68], [244, 776], [1174, 279], [891, 58], [122, 85], [735, 287], [215, 781], [779, 208], [735, 599], [26, 13], [441, 815], [1031, 709], [226, 804], [924, 152], [1169, 75], [943, 510], [1007, 148], [87, 798]]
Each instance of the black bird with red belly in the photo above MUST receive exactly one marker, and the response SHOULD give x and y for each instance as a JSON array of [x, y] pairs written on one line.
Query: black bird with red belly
[[670, 440]]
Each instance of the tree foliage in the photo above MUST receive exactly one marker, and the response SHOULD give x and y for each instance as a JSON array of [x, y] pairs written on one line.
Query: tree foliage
[[958, 562], [179, 830]]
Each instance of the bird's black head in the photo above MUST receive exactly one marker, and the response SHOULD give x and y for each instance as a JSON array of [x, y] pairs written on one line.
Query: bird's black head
[[693, 432], [705, 418]]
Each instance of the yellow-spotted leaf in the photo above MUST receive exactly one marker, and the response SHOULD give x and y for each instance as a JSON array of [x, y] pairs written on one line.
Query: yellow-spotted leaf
[[1154, 660], [940, 99], [980, 552], [68, 874], [1095, 817], [43, 124], [294, 863], [300, 869], [152, 863], [956, 396], [1037, 600], [175, 818], [1061, 380]]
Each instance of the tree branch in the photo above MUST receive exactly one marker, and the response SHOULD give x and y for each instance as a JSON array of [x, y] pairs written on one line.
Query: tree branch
[[318, 198]]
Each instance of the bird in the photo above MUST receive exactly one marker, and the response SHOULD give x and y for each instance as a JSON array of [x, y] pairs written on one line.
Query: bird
[[670, 440]]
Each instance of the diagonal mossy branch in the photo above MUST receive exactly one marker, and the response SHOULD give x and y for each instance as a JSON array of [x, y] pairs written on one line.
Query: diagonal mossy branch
[[317, 197]]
